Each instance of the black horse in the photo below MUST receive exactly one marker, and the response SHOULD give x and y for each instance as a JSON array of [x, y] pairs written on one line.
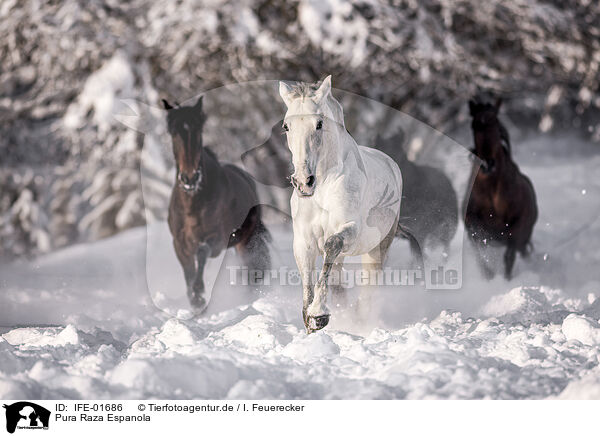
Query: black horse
[[502, 207], [212, 206], [429, 209]]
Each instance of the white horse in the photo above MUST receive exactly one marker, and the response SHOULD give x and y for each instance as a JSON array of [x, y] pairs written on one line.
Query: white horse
[[346, 200]]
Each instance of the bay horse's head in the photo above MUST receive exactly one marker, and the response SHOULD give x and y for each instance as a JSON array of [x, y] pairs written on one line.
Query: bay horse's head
[[487, 134], [185, 127], [310, 125]]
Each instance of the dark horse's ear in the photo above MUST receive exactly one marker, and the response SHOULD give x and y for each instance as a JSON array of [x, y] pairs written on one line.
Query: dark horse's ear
[[472, 107], [198, 105], [166, 104], [198, 110], [498, 104]]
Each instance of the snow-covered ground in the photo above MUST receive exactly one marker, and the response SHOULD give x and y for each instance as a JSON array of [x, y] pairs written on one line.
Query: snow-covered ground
[[84, 322]]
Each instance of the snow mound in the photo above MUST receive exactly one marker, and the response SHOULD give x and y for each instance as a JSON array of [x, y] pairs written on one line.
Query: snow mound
[[307, 348], [255, 351], [530, 304], [43, 337], [586, 388], [582, 329]]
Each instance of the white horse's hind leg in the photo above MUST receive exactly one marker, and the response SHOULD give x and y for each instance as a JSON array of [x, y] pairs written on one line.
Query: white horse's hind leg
[[373, 262], [336, 281]]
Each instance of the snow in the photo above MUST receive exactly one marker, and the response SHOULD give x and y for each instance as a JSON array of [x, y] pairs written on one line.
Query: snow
[[101, 94], [586, 388], [34, 337], [245, 353], [109, 319], [334, 26], [582, 329]]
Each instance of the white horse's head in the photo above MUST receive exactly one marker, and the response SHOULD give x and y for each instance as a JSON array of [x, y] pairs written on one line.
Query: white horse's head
[[312, 124]]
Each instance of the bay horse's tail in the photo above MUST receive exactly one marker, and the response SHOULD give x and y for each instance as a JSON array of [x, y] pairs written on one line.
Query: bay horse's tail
[[528, 250], [257, 254], [254, 247], [263, 231], [252, 226]]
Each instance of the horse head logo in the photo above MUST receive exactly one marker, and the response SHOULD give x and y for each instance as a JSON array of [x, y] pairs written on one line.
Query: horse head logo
[[25, 414]]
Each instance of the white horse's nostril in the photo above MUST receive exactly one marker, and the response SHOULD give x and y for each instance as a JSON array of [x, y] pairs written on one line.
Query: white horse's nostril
[[310, 181]]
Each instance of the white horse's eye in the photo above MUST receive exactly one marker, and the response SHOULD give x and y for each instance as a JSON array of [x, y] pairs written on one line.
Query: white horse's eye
[[319, 124], [285, 127]]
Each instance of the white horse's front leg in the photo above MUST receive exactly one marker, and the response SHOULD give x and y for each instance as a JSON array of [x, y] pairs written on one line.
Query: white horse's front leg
[[318, 313], [305, 253]]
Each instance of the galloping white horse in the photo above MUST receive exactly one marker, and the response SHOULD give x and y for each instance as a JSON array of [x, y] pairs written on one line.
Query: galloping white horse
[[346, 200]]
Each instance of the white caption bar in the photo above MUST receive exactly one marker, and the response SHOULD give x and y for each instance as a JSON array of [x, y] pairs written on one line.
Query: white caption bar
[[298, 417]]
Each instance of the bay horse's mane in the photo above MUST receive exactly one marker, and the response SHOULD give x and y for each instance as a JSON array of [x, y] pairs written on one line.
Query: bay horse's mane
[[505, 138], [211, 154], [191, 114]]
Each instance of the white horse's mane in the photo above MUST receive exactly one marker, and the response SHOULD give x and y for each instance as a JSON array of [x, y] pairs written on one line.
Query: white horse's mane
[[303, 89], [309, 90]]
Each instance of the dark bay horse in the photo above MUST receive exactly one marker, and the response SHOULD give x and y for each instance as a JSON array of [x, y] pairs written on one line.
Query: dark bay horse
[[429, 212], [502, 207], [212, 206]]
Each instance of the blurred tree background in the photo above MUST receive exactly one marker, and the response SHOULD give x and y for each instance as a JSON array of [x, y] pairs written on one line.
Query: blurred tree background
[[69, 171]]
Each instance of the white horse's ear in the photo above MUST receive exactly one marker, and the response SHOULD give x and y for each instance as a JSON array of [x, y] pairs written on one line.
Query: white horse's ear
[[284, 91], [324, 90]]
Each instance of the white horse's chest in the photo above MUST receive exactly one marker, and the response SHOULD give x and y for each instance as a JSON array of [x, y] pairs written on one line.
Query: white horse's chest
[[310, 220], [370, 199]]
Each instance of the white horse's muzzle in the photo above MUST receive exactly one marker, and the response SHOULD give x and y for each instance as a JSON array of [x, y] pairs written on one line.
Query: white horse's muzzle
[[305, 188]]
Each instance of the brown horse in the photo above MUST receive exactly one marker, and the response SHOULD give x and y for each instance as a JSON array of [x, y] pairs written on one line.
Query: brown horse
[[502, 208], [212, 207]]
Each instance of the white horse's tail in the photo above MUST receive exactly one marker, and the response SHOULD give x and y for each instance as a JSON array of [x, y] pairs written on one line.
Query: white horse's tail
[[405, 232]]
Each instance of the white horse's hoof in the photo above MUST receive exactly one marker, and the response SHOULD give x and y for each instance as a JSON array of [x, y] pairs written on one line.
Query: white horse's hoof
[[314, 323]]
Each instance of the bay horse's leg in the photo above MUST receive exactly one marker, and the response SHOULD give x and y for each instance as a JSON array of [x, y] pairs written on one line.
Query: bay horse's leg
[[482, 258], [509, 261], [196, 290], [187, 261]]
